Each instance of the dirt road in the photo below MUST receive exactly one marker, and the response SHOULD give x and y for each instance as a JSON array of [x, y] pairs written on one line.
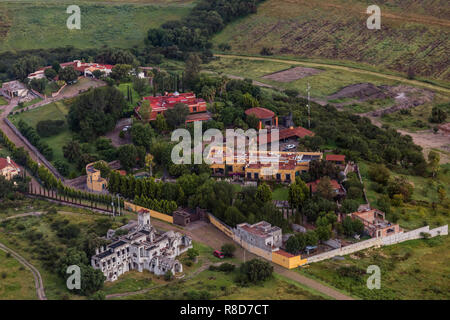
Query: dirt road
[[338, 67]]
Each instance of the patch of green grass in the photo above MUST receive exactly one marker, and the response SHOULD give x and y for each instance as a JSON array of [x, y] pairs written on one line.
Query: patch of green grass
[[123, 87], [3, 101], [42, 24], [416, 269], [281, 193], [52, 111], [322, 84], [220, 285]]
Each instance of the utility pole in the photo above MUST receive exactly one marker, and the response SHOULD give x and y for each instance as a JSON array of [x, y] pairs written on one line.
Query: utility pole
[[118, 204], [113, 212], [309, 107]]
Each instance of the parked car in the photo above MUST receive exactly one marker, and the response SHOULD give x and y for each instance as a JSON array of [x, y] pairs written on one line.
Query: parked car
[[218, 254], [290, 146]]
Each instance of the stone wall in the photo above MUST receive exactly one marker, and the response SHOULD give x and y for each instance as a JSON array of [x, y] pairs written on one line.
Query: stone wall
[[377, 242]]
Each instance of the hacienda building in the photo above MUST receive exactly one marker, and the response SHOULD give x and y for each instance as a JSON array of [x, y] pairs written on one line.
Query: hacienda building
[[143, 248], [8, 168], [160, 104]]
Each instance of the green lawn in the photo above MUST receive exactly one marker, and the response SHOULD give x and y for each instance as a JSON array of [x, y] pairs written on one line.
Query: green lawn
[[123, 87], [281, 193], [42, 24], [416, 269], [3, 101], [16, 282]]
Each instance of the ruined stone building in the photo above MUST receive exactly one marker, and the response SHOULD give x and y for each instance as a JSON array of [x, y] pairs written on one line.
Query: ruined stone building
[[143, 248]]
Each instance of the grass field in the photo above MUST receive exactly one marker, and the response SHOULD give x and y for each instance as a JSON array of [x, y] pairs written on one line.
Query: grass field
[[280, 193], [53, 111], [42, 24], [3, 101], [412, 34], [322, 85], [416, 269], [221, 285], [16, 282], [12, 234], [419, 212]]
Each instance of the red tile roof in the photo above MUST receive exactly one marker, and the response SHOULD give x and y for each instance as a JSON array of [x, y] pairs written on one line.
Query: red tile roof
[[335, 157], [260, 113], [334, 184], [4, 163], [204, 116], [298, 132]]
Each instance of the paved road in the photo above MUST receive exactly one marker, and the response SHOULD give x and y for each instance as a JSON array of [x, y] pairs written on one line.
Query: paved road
[[37, 276], [207, 234]]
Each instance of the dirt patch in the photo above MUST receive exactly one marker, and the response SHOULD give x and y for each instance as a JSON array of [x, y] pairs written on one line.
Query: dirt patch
[[405, 97], [362, 92], [292, 74]]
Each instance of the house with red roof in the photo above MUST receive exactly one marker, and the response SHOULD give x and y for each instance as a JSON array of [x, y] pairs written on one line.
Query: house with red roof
[[8, 168], [335, 185], [85, 68], [265, 116], [159, 104], [338, 159]]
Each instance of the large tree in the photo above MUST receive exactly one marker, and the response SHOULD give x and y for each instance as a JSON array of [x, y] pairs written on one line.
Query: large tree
[[94, 113], [68, 74], [176, 116]]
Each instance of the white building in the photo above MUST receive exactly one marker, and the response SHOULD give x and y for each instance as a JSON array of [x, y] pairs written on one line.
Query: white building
[[14, 89], [143, 248]]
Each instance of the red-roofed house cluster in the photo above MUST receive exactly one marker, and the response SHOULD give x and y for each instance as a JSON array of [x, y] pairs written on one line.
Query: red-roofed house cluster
[[85, 68], [159, 104]]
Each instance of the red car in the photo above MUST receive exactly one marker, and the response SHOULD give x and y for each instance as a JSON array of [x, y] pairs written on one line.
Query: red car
[[218, 254]]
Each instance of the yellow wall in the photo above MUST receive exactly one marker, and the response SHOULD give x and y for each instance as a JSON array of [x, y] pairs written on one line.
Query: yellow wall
[[154, 214], [220, 226], [288, 262]]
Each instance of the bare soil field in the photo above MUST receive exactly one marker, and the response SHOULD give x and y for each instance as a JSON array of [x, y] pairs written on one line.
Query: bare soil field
[[292, 74]]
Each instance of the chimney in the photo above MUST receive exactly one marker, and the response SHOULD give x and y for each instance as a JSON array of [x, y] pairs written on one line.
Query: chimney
[[8, 159]]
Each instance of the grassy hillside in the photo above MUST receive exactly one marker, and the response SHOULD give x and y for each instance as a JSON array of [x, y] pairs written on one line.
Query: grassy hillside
[[414, 33], [42, 24]]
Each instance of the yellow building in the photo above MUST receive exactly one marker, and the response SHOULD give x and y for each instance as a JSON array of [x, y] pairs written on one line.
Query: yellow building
[[284, 169], [94, 181]]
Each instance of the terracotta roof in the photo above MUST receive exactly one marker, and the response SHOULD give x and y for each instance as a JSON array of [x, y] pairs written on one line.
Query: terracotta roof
[[334, 184], [298, 132], [203, 116], [335, 157], [260, 113], [4, 163]]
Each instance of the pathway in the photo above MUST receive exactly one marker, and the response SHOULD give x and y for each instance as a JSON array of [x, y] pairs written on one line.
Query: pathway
[[37, 276]]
